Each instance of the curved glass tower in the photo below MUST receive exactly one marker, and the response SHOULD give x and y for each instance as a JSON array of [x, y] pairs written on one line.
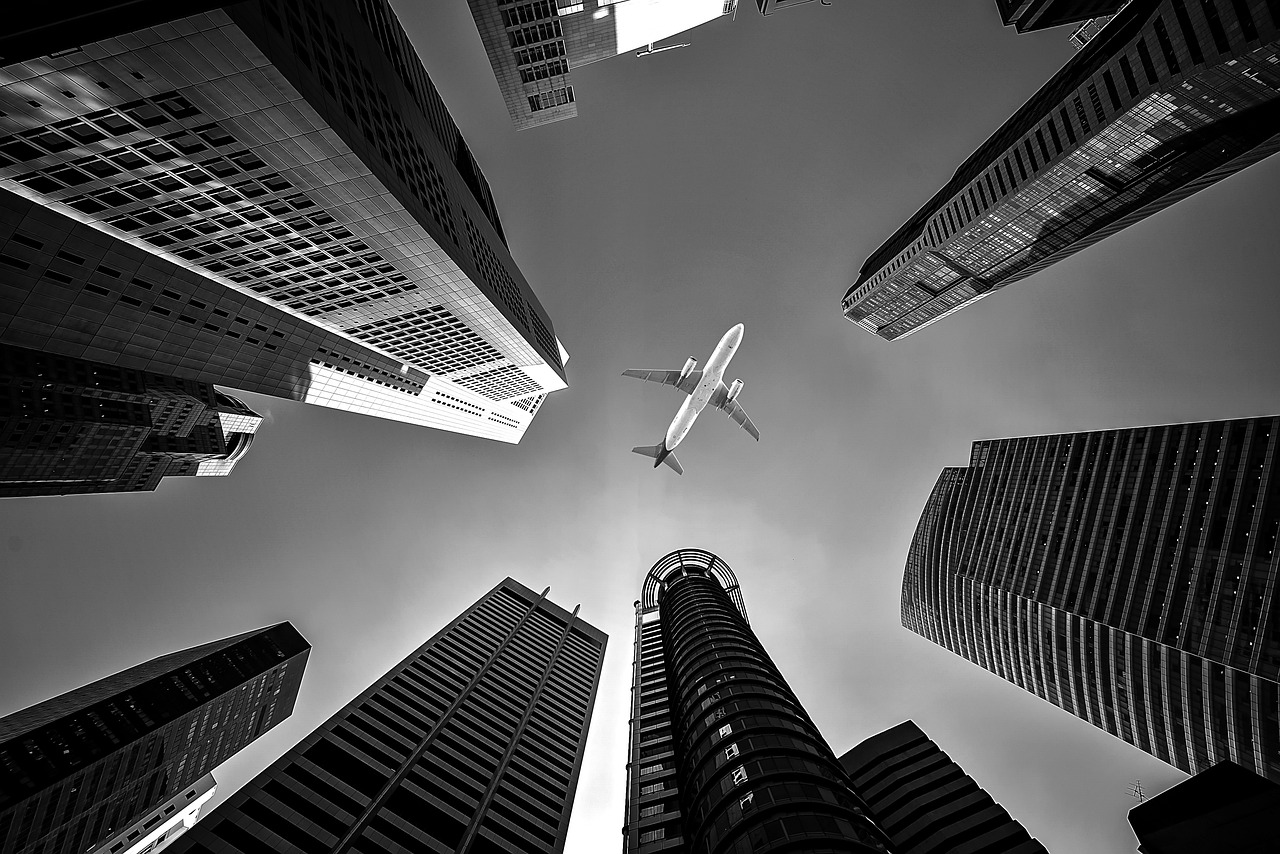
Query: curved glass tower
[[724, 759]]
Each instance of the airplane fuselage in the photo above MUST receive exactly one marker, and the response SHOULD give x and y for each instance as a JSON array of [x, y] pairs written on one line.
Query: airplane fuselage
[[701, 396]]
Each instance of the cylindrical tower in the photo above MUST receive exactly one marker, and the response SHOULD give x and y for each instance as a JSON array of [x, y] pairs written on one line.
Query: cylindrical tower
[[754, 775]]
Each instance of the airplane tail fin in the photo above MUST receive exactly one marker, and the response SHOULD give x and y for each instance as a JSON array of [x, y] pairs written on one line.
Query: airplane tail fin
[[659, 454]]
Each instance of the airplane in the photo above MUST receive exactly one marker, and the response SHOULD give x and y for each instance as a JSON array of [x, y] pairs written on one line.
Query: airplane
[[702, 387]]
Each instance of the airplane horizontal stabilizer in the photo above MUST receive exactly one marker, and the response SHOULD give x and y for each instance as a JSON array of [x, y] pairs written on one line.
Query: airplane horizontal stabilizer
[[655, 452]]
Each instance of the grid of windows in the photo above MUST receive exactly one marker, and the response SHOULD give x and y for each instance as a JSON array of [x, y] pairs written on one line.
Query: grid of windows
[[474, 740], [1128, 576], [79, 768], [1200, 116]]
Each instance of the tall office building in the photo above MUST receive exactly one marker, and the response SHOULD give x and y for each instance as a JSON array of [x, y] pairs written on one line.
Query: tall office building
[[534, 44], [1170, 97], [263, 195], [1128, 576], [161, 827], [74, 426], [471, 744], [1224, 809], [925, 801], [1028, 15], [79, 768], [723, 758]]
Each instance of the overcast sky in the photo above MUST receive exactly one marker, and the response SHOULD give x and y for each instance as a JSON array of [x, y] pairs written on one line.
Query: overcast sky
[[743, 179]]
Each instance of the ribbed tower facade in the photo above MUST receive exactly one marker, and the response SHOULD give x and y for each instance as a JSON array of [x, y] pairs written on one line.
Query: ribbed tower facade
[[1128, 576], [80, 768], [472, 744], [723, 757], [268, 196], [925, 801], [1168, 98]]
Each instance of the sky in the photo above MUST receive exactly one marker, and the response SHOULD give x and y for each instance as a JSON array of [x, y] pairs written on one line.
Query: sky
[[743, 179]]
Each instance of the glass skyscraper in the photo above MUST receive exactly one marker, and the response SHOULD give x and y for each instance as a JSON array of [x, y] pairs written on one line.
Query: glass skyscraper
[[723, 757], [78, 769], [267, 196], [471, 744], [925, 801], [1028, 15], [1128, 576], [74, 426], [534, 44], [1168, 98]]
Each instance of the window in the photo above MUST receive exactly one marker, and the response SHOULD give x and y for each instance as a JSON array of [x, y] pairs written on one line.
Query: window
[[653, 810], [739, 775], [731, 751], [653, 835], [747, 801], [725, 730], [650, 769], [652, 787]]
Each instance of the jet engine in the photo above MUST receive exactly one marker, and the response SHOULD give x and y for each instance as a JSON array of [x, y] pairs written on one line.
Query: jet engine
[[688, 368], [734, 391]]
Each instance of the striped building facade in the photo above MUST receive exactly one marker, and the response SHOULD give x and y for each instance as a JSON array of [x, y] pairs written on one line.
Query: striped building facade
[[723, 757], [471, 744], [1170, 97], [1128, 576]]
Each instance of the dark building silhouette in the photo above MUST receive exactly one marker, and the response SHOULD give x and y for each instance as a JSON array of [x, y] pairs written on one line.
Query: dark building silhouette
[[768, 7], [74, 426], [78, 768], [1028, 15], [925, 802], [288, 209], [1224, 809], [723, 757], [1127, 576], [1168, 98], [472, 744]]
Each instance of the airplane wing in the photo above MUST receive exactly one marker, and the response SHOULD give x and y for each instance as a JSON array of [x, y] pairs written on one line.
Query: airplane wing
[[734, 410], [671, 378]]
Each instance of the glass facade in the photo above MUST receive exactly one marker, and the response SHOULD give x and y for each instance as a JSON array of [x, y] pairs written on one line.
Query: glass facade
[[925, 801], [319, 224], [471, 744], [723, 756], [1028, 15], [534, 44], [78, 769], [1128, 576], [1168, 98], [70, 426]]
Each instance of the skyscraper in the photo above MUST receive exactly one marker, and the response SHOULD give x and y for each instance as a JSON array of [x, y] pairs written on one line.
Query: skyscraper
[[263, 195], [79, 768], [161, 827], [1224, 809], [925, 802], [1168, 98], [75, 426], [472, 744], [533, 45], [723, 758], [1028, 15], [1128, 576]]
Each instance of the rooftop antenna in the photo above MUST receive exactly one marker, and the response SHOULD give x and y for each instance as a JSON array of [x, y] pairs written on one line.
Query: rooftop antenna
[[1135, 791], [651, 49]]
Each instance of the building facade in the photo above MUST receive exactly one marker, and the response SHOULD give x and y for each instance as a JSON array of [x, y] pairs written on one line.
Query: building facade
[[925, 802], [472, 744], [266, 196], [768, 7], [534, 44], [71, 426], [1224, 809], [1129, 577], [723, 757], [1169, 97], [80, 768], [1028, 15], [155, 831]]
